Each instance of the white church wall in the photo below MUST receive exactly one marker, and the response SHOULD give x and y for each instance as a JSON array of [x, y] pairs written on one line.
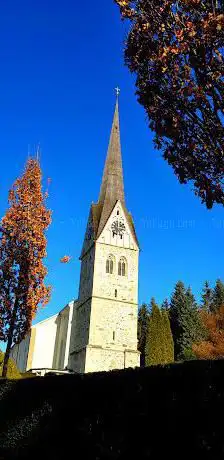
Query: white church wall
[[105, 284], [127, 241], [47, 345], [19, 353], [80, 326], [105, 319], [99, 359], [44, 343], [63, 335], [77, 361], [113, 324], [69, 329]]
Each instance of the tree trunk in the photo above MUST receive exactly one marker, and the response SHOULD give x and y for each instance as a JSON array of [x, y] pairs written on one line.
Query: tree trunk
[[6, 357], [9, 343]]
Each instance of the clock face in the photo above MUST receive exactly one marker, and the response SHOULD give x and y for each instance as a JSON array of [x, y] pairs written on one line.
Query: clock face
[[118, 227]]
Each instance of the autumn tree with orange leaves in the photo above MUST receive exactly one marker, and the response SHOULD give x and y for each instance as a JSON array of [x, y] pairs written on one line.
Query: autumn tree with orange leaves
[[213, 347], [22, 250], [175, 48]]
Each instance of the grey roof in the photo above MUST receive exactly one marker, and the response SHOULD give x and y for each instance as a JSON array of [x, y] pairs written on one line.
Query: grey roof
[[112, 187]]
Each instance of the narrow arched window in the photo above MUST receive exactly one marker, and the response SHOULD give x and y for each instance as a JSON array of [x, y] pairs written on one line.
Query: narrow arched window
[[122, 267], [110, 265]]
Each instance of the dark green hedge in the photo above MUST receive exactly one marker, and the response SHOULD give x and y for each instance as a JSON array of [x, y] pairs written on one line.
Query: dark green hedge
[[155, 413]]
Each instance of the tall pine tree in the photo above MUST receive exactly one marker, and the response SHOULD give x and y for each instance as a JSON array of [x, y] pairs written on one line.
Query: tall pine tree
[[143, 319], [207, 297], [185, 322], [218, 296], [154, 343], [165, 305], [159, 344], [177, 303], [168, 344]]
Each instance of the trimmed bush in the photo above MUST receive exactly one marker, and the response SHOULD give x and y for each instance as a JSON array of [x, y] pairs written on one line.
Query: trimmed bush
[[158, 412], [13, 372]]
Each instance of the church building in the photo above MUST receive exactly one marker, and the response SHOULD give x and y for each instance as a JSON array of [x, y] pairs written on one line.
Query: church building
[[101, 326]]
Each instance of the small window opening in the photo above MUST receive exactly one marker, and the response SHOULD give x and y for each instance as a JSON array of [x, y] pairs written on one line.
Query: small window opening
[[115, 293], [113, 335], [109, 266], [118, 212]]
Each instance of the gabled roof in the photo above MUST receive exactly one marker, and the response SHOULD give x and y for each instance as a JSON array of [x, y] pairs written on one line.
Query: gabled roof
[[96, 213]]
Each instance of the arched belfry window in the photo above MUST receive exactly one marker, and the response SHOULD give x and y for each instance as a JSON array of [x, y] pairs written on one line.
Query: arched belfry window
[[110, 265], [122, 267]]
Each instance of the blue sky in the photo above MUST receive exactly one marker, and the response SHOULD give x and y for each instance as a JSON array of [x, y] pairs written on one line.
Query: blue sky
[[60, 62]]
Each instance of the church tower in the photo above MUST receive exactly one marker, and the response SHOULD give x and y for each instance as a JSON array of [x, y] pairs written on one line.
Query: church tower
[[104, 329]]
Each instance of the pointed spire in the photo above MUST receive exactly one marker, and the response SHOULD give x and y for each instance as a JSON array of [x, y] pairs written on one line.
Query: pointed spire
[[112, 187]]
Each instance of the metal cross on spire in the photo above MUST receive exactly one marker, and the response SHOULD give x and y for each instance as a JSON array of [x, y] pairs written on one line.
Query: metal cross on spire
[[117, 91]]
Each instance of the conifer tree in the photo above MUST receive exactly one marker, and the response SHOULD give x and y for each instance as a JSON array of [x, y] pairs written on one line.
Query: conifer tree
[[143, 319], [154, 344], [177, 305], [168, 343], [165, 305], [207, 297], [22, 250], [159, 343], [185, 322], [218, 296], [194, 330]]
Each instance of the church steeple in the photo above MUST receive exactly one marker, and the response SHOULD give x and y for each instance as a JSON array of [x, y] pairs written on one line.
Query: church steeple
[[112, 187], [106, 317]]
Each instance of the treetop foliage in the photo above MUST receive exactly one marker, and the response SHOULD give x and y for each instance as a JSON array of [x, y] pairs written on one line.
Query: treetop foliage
[[22, 250], [159, 347], [213, 347], [12, 371], [175, 48]]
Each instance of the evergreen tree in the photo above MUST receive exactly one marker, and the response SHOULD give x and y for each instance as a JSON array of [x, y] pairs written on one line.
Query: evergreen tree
[[218, 296], [154, 345], [168, 338], [185, 322], [143, 319], [194, 330], [207, 297], [159, 344], [165, 305], [178, 301]]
